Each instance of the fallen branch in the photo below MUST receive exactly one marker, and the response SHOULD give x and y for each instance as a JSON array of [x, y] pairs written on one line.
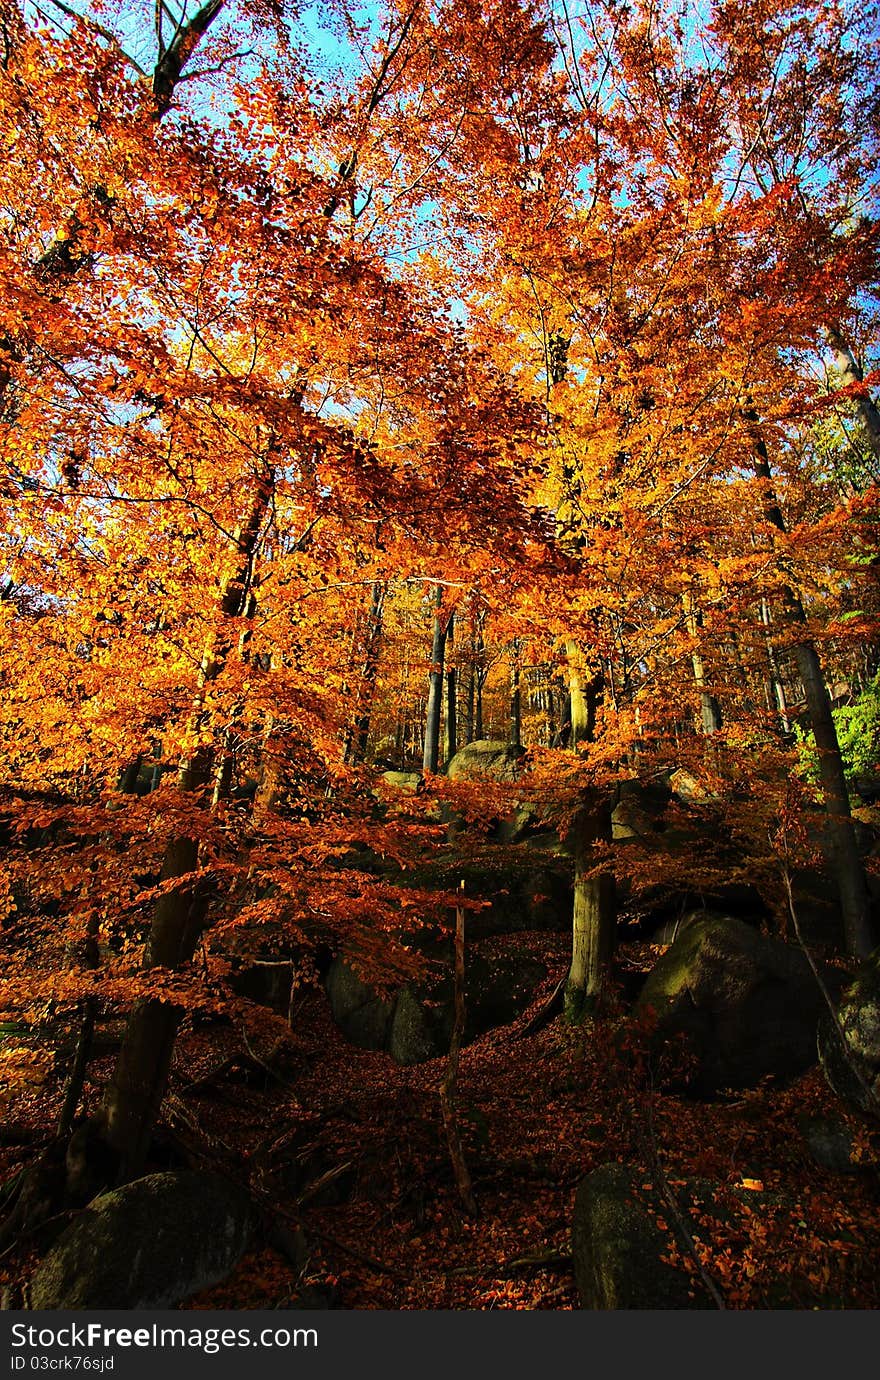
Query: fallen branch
[[314, 1188], [546, 1011], [673, 1204], [538, 1260]]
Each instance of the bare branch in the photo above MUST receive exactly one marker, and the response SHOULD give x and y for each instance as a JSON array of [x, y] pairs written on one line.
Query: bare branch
[[99, 29]]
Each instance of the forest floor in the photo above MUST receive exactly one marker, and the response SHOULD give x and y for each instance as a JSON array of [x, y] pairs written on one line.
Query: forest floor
[[352, 1146]]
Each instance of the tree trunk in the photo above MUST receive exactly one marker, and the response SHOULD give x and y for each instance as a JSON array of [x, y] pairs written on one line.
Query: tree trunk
[[777, 686], [515, 698], [431, 755], [594, 915], [358, 735], [450, 746], [129, 775], [469, 701], [841, 848], [845, 859], [710, 710], [850, 373], [141, 1075], [88, 953]]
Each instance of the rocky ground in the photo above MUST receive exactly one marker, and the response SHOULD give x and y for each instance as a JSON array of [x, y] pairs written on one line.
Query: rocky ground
[[762, 1197]]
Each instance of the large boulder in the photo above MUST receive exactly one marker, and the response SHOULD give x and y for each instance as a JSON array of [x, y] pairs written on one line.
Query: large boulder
[[618, 1248], [747, 1006], [690, 790], [361, 1014], [486, 757], [412, 1037], [493, 760], [150, 1244], [410, 782], [640, 810], [849, 1049], [632, 1242], [416, 1024], [264, 981]]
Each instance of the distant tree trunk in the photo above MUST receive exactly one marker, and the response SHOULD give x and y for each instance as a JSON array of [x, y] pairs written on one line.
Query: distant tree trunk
[[431, 755], [777, 686], [358, 734], [469, 701], [402, 727], [129, 775], [594, 915], [850, 373], [451, 738], [141, 1075], [515, 697], [87, 952], [710, 710], [478, 663], [842, 851]]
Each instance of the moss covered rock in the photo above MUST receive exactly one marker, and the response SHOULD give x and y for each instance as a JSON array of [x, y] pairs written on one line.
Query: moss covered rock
[[410, 782], [619, 1249], [746, 1006], [150, 1244], [487, 757], [412, 1037], [416, 1024], [850, 1054], [362, 1015]]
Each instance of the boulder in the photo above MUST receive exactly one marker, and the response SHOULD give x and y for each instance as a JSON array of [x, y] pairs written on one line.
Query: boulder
[[363, 1017], [849, 1051], [529, 888], [747, 1006], [411, 1038], [150, 1244], [264, 981], [640, 810], [629, 820], [489, 758], [410, 782], [618, 1248], [416, 1024], [631, 1245], [690, 790], [829, 1142], [492, 760]]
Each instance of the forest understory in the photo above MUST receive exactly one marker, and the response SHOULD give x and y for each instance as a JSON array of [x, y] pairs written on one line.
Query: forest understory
[[439, 571], [351, 1147]]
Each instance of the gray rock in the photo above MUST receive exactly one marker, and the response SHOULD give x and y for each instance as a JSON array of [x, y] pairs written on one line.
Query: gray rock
[[850, 1055], [747, 1006], [618, 1248], [264, 981], [489, 758], [151, 1244], [417, 1023], [362, 1016], [411, 1039], [410, 782], [829, 1142], [690, 790], [630, 820], [618, 1244]]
